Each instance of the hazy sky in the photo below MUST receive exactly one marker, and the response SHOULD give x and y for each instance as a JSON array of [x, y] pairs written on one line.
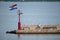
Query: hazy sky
[[33, 12]]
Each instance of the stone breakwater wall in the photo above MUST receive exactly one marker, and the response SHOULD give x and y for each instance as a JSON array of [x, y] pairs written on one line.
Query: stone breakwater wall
[[42, 27]]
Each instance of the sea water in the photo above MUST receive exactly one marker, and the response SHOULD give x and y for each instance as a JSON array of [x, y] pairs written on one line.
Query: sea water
[[33, 13]]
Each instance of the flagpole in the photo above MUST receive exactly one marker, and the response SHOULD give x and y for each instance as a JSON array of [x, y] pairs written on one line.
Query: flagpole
[[19, 23]]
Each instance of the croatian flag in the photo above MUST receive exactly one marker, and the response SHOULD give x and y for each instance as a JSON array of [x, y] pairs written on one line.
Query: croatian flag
[[13, 7]]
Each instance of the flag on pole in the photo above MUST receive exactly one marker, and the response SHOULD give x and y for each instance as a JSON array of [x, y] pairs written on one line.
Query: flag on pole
[[13, 7]]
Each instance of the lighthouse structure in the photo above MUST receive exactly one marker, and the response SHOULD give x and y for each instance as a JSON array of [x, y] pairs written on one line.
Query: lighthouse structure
[[19, 23]]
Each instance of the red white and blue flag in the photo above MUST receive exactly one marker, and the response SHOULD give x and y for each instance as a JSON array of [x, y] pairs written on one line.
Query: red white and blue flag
[[13, 7]]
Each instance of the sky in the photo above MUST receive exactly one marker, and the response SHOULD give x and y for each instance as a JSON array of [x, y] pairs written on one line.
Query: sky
[[33, 13]]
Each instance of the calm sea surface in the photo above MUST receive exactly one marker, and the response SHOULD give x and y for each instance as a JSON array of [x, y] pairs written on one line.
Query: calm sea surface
[[33, 13], [10, 26], [5, 36]]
